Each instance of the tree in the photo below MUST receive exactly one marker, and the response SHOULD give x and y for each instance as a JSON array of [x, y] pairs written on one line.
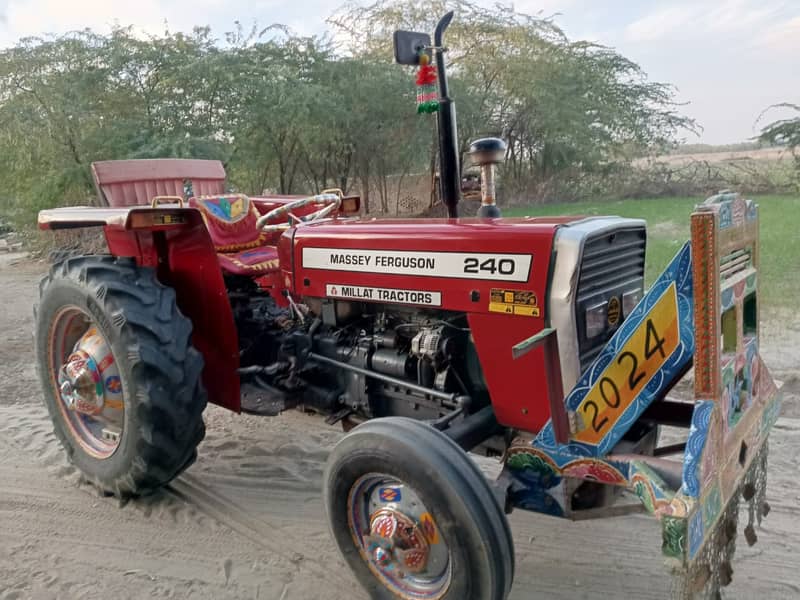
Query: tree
[[299, 114], [561, 105], [783, 132]]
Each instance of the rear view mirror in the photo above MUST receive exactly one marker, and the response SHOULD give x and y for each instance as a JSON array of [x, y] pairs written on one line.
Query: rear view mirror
[[408, 45]]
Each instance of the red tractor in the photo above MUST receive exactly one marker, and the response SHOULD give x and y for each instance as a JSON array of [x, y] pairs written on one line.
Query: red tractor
[[401, 330]]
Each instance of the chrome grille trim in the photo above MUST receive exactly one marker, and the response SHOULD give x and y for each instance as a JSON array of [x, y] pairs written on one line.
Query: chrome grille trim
[[611, 264], [571, 279]]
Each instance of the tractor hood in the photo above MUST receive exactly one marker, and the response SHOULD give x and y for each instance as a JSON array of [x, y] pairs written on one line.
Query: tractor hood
[[453, 264]]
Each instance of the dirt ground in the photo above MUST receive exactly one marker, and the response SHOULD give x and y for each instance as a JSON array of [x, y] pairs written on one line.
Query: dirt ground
[[246, 521]]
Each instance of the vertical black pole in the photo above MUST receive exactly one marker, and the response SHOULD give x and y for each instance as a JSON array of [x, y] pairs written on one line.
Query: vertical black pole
[[449, 179]]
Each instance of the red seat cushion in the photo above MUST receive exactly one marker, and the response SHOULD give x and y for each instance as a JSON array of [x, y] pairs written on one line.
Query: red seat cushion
[[231, 222], [254, 262]]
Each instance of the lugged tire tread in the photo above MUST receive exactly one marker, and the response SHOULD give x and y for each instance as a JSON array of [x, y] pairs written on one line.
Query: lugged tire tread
[[458, 472], [165, 367]]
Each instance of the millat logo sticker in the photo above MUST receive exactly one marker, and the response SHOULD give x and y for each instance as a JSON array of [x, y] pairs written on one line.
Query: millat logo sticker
[[114, 385], [391, 295], [389, 494]]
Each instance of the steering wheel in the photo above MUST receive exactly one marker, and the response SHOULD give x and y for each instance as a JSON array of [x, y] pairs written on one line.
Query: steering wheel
[[329, 199]]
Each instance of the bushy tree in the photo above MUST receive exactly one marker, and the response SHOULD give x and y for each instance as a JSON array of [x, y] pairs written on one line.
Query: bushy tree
[[298, 114]]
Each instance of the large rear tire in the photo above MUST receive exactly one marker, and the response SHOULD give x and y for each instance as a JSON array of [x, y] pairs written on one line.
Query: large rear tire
[[414, 517], [120, 377]]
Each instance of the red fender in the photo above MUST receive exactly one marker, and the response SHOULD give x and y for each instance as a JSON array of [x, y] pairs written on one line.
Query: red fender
[[186, 261]]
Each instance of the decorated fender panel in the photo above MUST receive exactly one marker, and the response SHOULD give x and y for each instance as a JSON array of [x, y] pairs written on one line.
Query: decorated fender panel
[[703, 308]]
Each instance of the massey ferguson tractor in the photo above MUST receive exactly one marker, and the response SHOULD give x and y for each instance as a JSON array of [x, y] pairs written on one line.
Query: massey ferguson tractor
[[528, 339]]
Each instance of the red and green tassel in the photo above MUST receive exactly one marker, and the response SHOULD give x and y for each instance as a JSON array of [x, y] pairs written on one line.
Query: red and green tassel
[[427, 92]]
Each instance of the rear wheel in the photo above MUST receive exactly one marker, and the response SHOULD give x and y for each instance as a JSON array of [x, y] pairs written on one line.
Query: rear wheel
[[120, 378], [414, 517]]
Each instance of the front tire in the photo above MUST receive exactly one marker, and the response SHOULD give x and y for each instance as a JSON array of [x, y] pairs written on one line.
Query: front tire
[[414, 517], [120, 377]]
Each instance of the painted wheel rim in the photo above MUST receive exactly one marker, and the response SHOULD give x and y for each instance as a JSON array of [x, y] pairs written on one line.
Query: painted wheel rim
[[398, 537], [86, 382]]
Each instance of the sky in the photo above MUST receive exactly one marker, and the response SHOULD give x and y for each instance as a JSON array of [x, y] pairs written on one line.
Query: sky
[[728, 59]]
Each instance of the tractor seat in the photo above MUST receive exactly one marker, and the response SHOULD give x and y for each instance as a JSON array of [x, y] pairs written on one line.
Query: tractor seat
[[231, 222]]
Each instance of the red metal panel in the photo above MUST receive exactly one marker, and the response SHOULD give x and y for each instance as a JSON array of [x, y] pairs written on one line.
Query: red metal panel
[[188, 263], [285, 256], [195, 274], [531, 237], [517, 387]]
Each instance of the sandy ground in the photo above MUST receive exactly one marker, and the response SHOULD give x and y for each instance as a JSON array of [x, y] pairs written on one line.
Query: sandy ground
[[246, 520]]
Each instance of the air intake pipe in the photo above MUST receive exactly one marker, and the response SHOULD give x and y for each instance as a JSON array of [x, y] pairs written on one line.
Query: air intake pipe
[[486, 153]]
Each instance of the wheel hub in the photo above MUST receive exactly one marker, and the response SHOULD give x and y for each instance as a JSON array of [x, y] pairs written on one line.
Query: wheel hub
[[81, 385], [87, 382], [396, 542], [398, 538]]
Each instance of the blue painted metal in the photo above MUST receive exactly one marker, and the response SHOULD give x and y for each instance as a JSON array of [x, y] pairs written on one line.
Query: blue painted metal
[[698, 433], [538, 469], [679, 272]]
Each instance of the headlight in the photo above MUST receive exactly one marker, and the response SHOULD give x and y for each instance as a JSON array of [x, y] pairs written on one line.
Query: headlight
[[629, 301], [596, 319]]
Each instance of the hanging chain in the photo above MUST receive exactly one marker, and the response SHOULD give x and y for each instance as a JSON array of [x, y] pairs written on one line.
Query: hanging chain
[[712, 568]]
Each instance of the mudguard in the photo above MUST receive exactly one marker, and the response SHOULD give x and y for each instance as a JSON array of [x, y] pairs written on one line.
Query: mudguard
[[175, 242]]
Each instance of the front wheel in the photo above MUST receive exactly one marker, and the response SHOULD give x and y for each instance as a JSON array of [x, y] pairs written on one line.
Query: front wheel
[[120, 377], [414, 517]]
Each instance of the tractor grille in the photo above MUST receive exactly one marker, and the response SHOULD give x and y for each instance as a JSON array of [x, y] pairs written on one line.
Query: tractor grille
[[612, 264]]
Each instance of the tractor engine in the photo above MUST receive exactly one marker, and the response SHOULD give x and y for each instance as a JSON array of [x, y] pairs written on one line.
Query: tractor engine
[[428, 353], [364, 360]]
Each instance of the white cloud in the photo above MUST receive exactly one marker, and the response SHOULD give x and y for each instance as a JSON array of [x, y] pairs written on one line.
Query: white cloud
[[703, 19], [659, 24], [783, 37], [543, 8], [36, 17]]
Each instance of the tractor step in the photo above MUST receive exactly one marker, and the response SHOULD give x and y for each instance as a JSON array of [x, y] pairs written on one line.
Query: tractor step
[[256, 400]]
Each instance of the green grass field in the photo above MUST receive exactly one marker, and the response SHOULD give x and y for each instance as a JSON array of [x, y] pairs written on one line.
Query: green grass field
[[668, 228]]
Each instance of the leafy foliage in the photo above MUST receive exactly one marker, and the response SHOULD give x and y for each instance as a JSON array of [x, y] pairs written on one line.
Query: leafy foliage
[[296, 114], [784, 132]]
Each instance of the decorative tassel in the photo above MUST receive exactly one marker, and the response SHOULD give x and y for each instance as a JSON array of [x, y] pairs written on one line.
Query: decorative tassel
[[427, 92]]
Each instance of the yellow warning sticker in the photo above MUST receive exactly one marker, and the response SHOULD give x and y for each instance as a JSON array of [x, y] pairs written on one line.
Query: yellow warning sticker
[[513, 302]]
